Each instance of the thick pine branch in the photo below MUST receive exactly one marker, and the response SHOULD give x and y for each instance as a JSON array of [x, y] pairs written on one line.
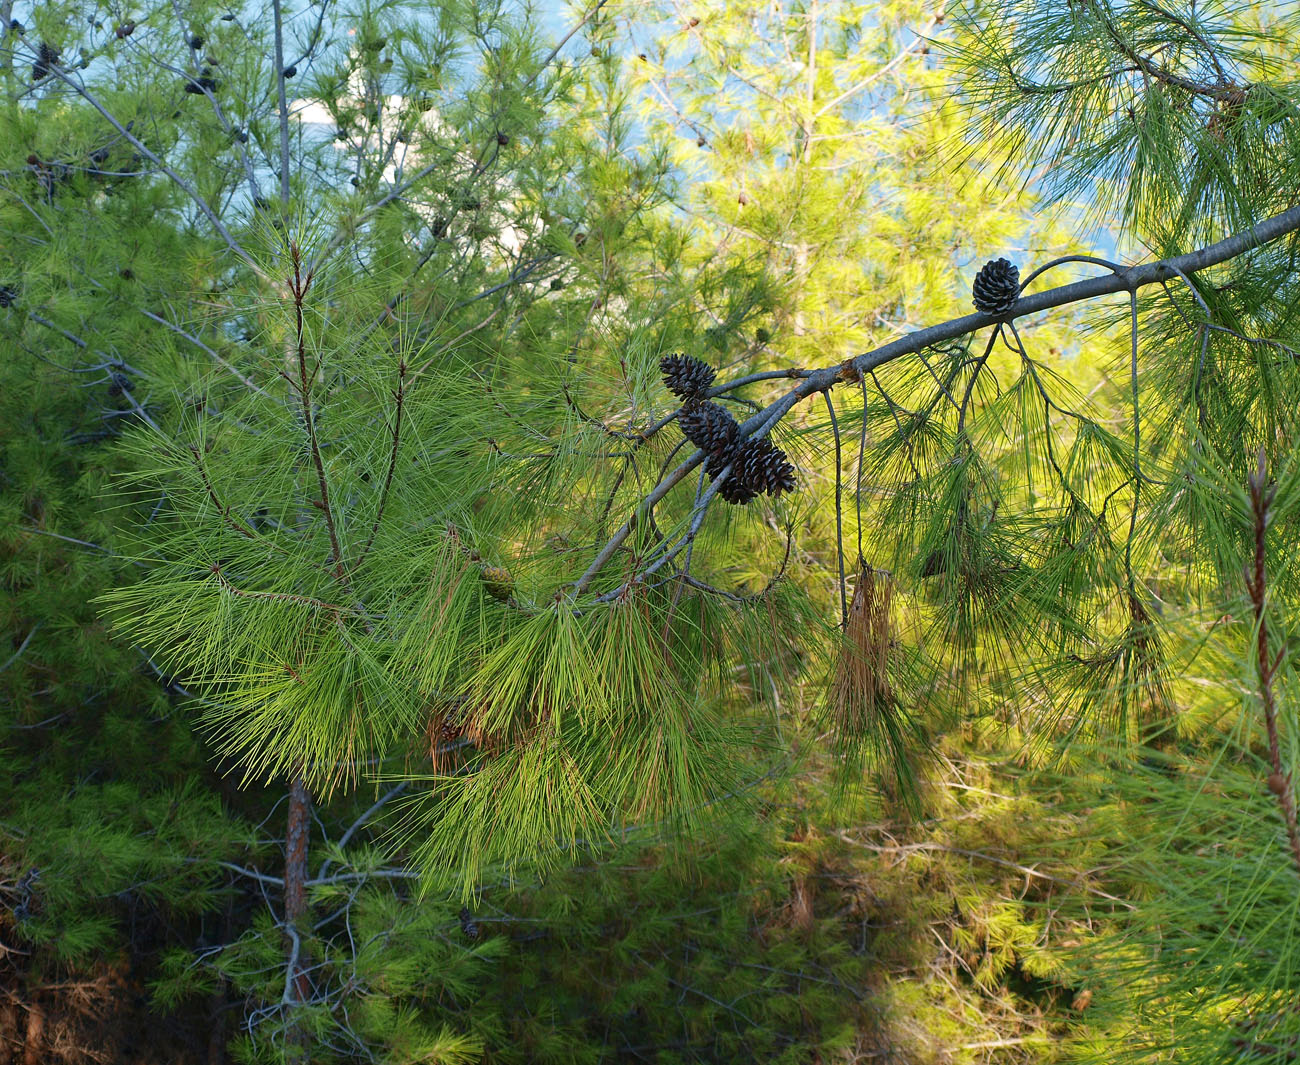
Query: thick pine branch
[[1128, 279]]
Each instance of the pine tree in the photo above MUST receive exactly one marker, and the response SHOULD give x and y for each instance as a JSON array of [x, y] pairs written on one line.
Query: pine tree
[[426, 487]]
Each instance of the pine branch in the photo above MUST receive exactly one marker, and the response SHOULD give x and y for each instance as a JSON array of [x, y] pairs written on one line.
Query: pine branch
[[839, 507], [182, 183], [300, 284], [21, 648], [1126, 280], [398, 398], [282, 101]]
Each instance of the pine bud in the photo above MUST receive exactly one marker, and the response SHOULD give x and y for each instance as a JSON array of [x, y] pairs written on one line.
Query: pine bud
[[997, 287]]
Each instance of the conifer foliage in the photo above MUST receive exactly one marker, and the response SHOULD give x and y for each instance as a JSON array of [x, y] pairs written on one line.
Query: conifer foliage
[[394, 514]]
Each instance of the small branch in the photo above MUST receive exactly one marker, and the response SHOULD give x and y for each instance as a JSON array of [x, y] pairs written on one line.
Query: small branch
[[356, 825], [862, 457], [398, 397], [246, 382], [21, 648], [1114, 268], [616, 541], [278, 597], [1137, 438], [252, 874], [453, 341], [301, 284], [1279, 781], [240, 527], [565, 39], [282, 101], [185, 186], [839, 508], [974, 377]]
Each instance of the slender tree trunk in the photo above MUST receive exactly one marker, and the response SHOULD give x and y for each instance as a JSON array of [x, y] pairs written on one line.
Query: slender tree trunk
[[218, 1005], [34, 1039], [295, 907], [8, 1032]]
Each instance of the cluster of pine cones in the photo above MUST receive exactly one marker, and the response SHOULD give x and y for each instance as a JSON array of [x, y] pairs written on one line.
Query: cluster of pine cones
[[756, 465], [47, 57]]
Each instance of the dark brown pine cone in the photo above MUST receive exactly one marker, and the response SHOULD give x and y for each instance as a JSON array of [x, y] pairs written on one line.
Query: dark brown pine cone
[[763, 467], [997, 286], [709, 427], [687, 378]]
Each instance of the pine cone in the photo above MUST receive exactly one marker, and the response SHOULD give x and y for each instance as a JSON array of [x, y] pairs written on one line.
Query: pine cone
[[204, 83], [8, 296], [500, 585], [733, 489], [47, 57], [997, 286], [118, 383], [756, 466], [709, 427], [467, 923], [687, 378], [734, 492], [762, 467]]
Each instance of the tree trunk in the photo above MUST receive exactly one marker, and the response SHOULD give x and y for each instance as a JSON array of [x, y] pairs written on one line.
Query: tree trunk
[[34, 1040], [295, 907]]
